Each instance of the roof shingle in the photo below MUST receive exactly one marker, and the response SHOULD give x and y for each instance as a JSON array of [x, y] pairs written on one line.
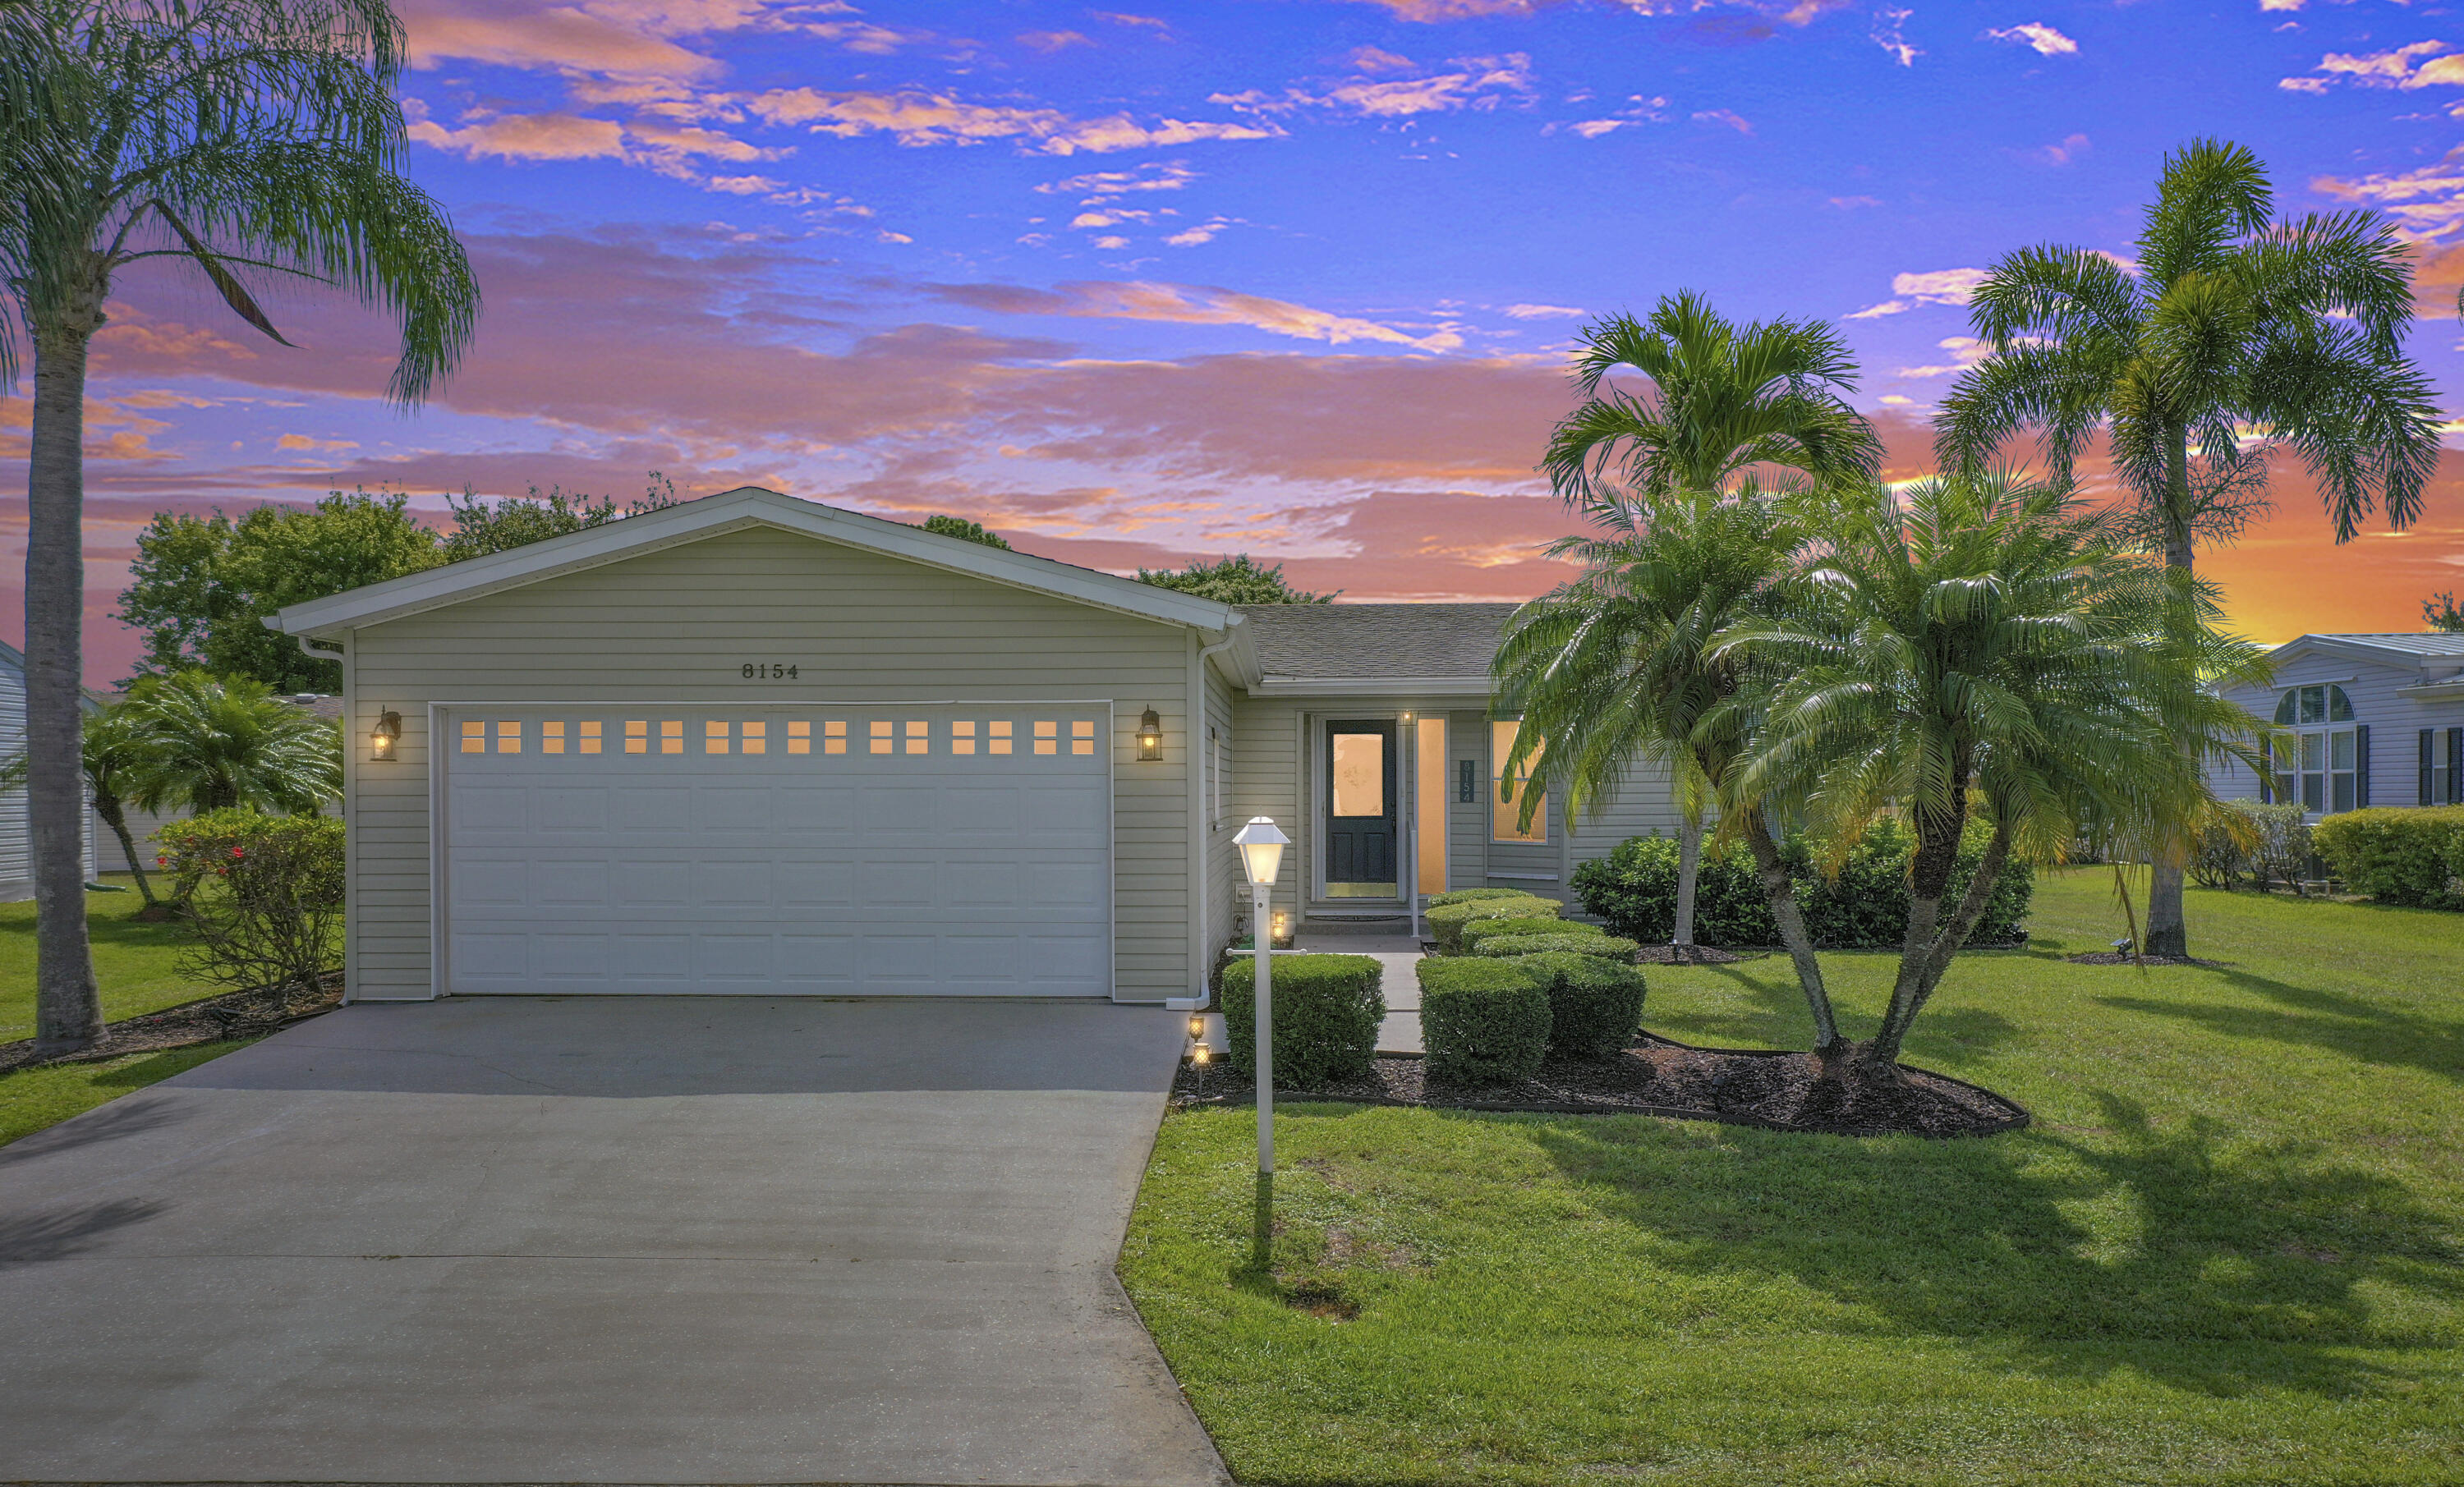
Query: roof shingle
[[1401, 642]]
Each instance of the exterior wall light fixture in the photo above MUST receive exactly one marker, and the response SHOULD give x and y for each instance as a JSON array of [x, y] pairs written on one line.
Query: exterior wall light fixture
[[382, 737], [1150, 737]]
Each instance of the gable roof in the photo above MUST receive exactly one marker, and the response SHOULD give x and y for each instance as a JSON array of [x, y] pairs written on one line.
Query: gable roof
[[2435, 650], [743, 507], [1374, 648]]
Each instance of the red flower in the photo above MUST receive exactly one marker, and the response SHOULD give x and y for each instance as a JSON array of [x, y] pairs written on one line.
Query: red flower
[[236, 852], [162, 862]]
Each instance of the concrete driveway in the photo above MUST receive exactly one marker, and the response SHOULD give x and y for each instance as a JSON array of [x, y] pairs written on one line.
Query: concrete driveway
[[656, 1240]]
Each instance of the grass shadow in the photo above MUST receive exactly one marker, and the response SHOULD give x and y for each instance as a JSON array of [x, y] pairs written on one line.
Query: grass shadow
[[2334, 1021]]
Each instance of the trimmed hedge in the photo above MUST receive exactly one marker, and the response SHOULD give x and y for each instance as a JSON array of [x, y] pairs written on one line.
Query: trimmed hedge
[[1595, 1005], [1475, 895], [1864, 906], [2411, 855], [1482, 1021], [1327, 1012], [1479, 929], [1446, 921], [1600, 947]]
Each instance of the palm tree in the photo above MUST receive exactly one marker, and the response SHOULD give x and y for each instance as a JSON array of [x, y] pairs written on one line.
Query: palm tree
[[115, 756], [1616, 666], [1976, 649], [1723, 400], [2235, 335], [237, 135], [211, 743]]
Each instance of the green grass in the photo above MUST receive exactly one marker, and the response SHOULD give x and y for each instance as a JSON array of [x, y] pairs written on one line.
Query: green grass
[[31, 1099], [2230, 1250], [135, 965]]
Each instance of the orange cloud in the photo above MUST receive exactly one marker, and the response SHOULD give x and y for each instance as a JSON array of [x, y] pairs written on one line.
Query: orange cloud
[[1185, 304]]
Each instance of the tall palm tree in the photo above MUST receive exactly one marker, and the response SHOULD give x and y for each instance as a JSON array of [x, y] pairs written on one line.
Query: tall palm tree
[[1975, 649], [1723, 399], [2235, 336], [236, 135], [210, 743], [1617, 666]]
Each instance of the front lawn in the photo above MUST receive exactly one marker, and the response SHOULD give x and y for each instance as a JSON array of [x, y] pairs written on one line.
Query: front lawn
[[2231, 1250], [135, 965], [47, 1094]]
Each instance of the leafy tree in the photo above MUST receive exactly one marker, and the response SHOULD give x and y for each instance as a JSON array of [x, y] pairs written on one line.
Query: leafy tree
[[1976, 648], [201, 588], [258, 135], [2237, 334], [212, 743], [1614, 665], [965, 531], [116, 754], [483, 526], [2439, 612], [1239, 580]]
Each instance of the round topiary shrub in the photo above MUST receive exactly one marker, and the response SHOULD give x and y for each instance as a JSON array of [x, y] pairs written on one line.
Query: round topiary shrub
[[1477, 931], [1595, 1005], [1482, 1021], [1327, 1012], [1446, 921], [1600, 947]]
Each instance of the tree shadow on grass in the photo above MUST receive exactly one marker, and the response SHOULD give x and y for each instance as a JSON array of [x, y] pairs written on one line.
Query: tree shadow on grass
[[1774, 1016], [2354, 1027], [2158, 1251]]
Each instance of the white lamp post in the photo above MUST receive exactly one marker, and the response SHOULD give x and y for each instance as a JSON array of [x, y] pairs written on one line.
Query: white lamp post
[[1261, 856]]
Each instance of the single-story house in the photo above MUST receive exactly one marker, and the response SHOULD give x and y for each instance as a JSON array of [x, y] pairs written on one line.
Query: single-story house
[[16, 845], [2376, 720], [755, 744]]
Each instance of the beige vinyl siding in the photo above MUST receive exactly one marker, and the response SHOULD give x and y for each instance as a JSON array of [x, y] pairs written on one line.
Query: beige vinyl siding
[[2394, 720], [678, 624]]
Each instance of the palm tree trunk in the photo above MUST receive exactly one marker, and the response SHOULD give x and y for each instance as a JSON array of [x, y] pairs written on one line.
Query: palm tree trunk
[[1937, 957], [107, 806], [2168, 933], [1780, 893], [68, 1012], [1690, 872]]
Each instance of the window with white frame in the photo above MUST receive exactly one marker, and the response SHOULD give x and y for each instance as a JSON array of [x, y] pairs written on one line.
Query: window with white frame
[[2324, 767]]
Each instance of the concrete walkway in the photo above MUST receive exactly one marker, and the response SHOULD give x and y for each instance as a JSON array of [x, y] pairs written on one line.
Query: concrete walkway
[[652, 1241]]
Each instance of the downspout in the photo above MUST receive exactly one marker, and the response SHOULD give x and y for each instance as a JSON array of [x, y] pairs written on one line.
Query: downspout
[[1206, 899]]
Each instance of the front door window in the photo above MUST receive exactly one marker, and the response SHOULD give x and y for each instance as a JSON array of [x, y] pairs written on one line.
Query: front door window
[[1360, 809]]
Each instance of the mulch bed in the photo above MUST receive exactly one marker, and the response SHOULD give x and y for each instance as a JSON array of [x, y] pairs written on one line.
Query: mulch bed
[[2115, 957], [1740, 1086], [249, 1013]]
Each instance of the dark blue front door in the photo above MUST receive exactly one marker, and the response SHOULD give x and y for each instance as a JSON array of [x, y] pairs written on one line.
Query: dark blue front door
[[1360, 810]]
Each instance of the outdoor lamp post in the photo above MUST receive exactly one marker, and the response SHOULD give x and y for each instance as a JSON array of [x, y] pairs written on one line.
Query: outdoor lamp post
[[1261, 855]]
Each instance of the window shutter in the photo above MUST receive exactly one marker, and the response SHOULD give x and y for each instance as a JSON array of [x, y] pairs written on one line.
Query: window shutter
[[2267, 772], [2361, 767], [2454, 765], [2428, 744]]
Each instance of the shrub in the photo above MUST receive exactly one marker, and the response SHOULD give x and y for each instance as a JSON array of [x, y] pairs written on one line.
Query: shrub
[[264, 895], [2265, 843], [1479, 929], [1482, 1021], [1863, 907], [1475, 895], [2395, 855], [1327, 1012], [1595, 1005], [1446, 921], [1600, 947]]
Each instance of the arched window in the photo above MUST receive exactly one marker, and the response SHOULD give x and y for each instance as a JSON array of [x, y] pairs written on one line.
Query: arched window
[[2304, 705], [2321, 768]]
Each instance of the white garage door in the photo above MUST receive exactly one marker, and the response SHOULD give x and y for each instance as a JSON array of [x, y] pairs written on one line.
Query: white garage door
[[839, 851]]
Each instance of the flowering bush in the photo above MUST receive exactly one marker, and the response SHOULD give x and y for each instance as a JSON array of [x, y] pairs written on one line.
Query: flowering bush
[[264, 894]]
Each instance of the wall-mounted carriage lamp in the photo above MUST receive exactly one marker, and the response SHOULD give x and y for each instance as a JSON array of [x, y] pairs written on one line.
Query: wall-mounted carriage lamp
[[382, 737], [1150, 737]]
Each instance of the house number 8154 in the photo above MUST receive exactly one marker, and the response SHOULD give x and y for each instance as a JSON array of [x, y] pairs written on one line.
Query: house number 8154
[[765, 671]]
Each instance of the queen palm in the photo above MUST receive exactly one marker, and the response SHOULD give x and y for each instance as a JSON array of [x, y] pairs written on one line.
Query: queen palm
[[1722, 399], [1975, 651], [241, 135], [2235, 336]]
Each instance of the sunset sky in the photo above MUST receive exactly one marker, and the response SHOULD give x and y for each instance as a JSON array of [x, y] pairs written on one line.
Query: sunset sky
[[1287, 277]]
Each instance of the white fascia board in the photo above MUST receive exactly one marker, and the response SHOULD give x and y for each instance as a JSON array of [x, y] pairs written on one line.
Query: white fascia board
[[2439, 690], [2392, 657], [747, 507], [1373, 686]]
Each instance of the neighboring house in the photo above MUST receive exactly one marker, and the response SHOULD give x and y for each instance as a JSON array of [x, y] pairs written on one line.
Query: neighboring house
[[17, 861], [755, 744], [2376, 720]]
